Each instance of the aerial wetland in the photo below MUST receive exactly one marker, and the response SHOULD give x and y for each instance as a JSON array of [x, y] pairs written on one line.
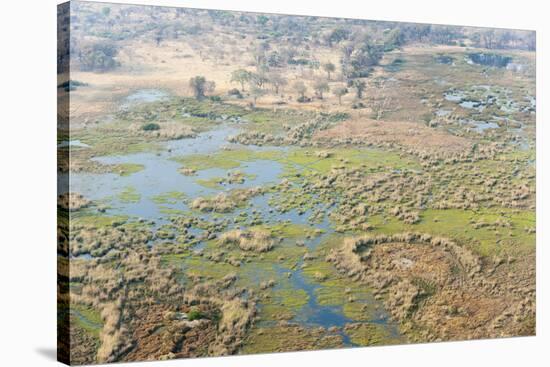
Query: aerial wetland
[[235, 183]]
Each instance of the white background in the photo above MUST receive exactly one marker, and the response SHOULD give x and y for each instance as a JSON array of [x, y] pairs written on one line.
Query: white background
[[28, 182]]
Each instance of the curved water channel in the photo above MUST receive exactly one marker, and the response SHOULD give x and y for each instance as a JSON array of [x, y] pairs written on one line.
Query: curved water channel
[[160, 175]]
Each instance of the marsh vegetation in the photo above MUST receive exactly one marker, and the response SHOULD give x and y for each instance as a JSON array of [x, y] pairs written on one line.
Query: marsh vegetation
[[245, 183]]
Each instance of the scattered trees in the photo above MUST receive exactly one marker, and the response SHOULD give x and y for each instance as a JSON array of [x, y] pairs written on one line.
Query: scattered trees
[[200, 86], [99, 57], [504, 39]]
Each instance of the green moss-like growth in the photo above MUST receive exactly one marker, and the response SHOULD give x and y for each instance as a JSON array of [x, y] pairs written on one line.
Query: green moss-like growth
[[366, 334], [170, 197], [98, 221], [285, 338], [226, 159], [88, 319], [370, 160], [461, 225], [291, 298], [195, 314], [127, 169], [129, 195]]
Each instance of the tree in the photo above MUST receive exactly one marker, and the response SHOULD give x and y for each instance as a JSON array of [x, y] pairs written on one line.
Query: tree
[[277, 81], [358, 59], [106, 11], [488, 39], [256, 93], [240, 76], [200, 86], [320, 86], [210, 86], [158, 37], [259, 54], [337, 35], [329, 68], [360, 86], [300, 88], [262, 20], [274, 60], [340, 92], [258, 79], [314, 64], [393, 39]]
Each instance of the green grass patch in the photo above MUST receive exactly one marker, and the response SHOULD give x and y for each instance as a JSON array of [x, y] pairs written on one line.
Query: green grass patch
[[170, 197], [87, 318], [211, 183], [129, 195], [226, 159], [371, 160], [459, 225], [367, 334], [98, 221], [127, 169]]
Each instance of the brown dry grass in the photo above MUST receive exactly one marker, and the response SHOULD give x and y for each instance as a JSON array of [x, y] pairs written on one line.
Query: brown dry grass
[[406, 134], [438, 289], [254, 240]]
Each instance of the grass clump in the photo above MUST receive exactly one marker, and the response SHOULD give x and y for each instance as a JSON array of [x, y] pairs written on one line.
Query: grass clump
[[225, 159], [256, 240]]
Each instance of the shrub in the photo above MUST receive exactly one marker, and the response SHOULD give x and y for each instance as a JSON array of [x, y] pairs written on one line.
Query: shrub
[[195, 314], [235, 92], [71, 85], [199, 85], [152, 126]]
